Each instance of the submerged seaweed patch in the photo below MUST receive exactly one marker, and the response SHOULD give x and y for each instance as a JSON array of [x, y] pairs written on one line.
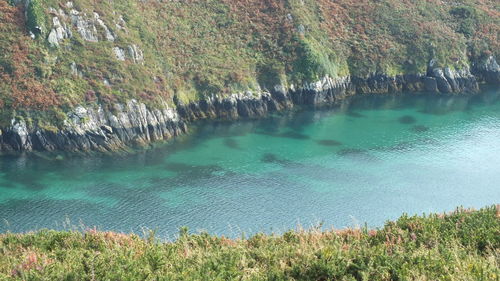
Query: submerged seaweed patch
[[328, 142], [274, 159], [231, 143], [357, 153], [407, 119], [351, 151], [192, 169], [420, 129], [28, 181], [402, 146]]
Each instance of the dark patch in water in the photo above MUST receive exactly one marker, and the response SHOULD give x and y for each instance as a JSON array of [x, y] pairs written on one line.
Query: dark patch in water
[[355, 114], [231, 143], [420, 129], [269, 158], [28, 181], [357, 154], [289, 135], [199, 170], [351, 151], [407, 119], [429, 141], [329, 142], [268, 126], [402, 146], [274, 159]]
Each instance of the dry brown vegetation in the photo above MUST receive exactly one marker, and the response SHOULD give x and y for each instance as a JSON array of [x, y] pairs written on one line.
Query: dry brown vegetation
[[16, 68]]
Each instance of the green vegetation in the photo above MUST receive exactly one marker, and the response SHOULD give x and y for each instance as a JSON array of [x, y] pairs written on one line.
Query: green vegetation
[[196, 48], [35, 18], [463, 245]]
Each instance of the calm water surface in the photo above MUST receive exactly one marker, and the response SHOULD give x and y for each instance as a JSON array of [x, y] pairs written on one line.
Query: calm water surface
[[367, 160]]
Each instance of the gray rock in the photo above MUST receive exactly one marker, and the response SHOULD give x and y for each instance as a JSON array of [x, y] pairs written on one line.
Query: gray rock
[[85, 27], [58, 33], [430, 85], [442, 83], [74, 70], [135, 53], [120, 24], [20, 134], [491, 65], [119, 53], [109, 35], [489, 70], [452, 76]]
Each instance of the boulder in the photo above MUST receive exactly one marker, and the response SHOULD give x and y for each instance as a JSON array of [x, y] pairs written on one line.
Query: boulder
[[430, 85]]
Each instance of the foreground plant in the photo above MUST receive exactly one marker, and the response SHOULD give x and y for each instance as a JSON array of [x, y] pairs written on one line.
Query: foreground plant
[[463, 245]]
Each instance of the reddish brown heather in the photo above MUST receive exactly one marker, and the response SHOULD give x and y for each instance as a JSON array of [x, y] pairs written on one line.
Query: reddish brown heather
[[26, 91]]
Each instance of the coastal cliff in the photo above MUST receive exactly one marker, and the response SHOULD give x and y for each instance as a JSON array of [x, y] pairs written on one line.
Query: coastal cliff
[[85, 76], [133, 123]]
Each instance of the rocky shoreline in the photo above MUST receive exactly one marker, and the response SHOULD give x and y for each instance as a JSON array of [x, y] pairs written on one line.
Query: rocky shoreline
[[97, 129]]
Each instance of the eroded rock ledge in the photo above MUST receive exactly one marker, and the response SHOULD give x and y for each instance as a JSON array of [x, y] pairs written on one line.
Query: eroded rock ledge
[[96, 129]]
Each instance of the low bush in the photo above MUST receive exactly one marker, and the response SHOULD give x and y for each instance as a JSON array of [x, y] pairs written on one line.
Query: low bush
[[463, 245]]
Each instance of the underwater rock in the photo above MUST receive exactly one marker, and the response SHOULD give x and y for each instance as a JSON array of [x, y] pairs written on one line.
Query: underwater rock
[[407, 119]]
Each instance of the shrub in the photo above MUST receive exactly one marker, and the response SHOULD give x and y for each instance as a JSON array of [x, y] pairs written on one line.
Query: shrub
[[463, 245], [466, 18], [36, 21]]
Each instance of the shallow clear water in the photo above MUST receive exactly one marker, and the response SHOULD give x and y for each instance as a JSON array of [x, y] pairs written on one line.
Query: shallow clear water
[[367, 160]]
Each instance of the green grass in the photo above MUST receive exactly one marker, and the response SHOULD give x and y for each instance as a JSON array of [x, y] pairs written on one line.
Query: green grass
[[463, 245]]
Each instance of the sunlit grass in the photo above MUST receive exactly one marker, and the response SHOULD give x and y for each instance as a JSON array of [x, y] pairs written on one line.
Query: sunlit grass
[[463, 245]]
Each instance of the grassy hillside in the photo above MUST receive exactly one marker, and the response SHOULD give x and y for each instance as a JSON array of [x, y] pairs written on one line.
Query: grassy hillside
[[464, 245], [193, 48]]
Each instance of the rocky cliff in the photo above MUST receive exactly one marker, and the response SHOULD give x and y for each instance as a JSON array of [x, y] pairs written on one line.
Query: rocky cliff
[[133, 123], [83, 75]]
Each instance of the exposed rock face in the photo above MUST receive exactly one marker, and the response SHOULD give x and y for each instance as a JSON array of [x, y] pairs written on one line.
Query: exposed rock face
[[17, 136], [87, 26], [98, 129], [58, 33], [74, 70], [135, 53], [109, 35], [95, 129], [84, 26], [451, 81], [132, 52], [91, 28], [235, 106], [323, 92], [489, 70], [119, 53]]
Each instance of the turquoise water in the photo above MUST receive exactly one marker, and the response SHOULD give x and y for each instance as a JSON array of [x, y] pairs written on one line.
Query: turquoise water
[[369, 159]]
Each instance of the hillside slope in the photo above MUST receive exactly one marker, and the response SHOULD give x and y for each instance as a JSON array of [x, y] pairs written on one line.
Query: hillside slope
[[65, 63], [463, 245]]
